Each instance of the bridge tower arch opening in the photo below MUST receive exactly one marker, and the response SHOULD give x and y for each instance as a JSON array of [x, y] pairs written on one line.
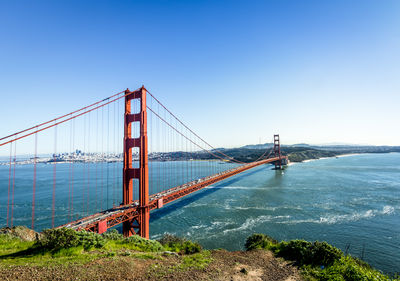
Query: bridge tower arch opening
[[140, 225]]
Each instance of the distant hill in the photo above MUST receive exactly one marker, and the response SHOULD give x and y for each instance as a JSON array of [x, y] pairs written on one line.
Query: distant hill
[[296, 152], [258, 146]]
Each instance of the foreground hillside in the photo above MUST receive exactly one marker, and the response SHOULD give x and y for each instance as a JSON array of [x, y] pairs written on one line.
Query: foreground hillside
[[68, 255]]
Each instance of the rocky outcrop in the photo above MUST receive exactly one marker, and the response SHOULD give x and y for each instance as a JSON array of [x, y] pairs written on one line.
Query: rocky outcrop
[[21, 232]]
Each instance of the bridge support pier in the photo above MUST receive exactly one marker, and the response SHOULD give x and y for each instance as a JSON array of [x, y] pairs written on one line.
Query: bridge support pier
[[141, 173]]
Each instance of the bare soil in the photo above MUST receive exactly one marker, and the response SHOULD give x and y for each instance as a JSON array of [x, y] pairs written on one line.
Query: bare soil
[[235, 266]]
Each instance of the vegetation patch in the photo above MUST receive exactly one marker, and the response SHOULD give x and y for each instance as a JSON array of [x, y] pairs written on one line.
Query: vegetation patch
[[197, 261], [10, 244], [64, 238], [135, 243], [317, 260], [180, 245], [67, 246]]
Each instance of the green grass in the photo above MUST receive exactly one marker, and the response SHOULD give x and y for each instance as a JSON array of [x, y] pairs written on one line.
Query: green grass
[[33, 256], [63, 247], [197, 261], [179, 245], [139, 244], [14, 251], [9, 245], [194, 261]]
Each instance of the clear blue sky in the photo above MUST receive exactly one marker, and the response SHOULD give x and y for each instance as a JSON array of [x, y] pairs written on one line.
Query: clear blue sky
[[234, 71]]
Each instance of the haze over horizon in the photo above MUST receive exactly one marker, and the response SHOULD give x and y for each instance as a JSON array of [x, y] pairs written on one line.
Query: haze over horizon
[[236, 72]]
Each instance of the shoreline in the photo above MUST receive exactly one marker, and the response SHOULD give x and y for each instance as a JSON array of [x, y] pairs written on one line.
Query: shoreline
[[337, 156]]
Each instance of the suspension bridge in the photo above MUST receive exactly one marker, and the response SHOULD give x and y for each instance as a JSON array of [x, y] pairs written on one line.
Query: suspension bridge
[[110, 163]]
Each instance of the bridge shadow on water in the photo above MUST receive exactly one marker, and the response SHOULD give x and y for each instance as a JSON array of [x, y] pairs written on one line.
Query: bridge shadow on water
[[155, 215]]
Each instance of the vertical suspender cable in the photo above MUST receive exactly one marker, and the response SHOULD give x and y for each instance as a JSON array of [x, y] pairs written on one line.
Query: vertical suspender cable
[[117, 152], [54, 177], [186, 157], [34, 184], [88, 168], [97, 154], [84, 166], [161, 182], [9, 185], [102, 157], [162, 147], [113, 163], [119, 141], [13, 184], [108, 149], [72, 170]]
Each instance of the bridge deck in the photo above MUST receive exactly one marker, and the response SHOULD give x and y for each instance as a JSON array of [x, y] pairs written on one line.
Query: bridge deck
[[117, 215]]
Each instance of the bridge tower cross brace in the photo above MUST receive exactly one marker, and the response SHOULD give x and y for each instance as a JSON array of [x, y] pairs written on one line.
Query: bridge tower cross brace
[[277, 152], [140, 225]]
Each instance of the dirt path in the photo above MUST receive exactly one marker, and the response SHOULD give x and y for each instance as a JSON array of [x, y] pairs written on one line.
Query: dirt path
[[235, 266]]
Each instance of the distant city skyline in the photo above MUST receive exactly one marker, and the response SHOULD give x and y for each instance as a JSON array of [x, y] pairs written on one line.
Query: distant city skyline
[[236, 72]]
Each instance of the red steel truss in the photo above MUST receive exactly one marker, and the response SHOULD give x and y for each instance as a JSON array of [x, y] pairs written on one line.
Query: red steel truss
[[131, 213]]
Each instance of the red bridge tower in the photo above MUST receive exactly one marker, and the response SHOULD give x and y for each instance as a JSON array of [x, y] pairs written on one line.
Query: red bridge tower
[[138, 226], [277, 152]]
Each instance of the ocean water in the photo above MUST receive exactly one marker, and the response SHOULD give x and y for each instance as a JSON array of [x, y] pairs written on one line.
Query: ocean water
[[351, 202], [82, 189]]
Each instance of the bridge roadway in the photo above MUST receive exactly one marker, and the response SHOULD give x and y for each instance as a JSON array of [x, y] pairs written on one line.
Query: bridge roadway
[[100, 222]]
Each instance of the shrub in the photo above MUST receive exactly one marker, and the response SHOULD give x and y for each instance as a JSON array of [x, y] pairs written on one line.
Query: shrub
[[304, 252], [325, 254], [311, 255], [64, 238], [56, 239], [347, 268], [295, 250], [90, 239], [169, 238], [259, 241], [180, 245], [112, 235], [143, 244], [190, 247]]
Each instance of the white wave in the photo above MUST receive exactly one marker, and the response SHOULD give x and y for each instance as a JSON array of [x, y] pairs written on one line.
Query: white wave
[[195, 204], [216, 225], [199, 226], [257, 208], [266, 208], [348, 217], [251, 222], [332, 219], [221, 223], [388, 210]]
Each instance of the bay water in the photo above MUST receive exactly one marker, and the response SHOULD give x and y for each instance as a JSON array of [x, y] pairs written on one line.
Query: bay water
[[351, 202]]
